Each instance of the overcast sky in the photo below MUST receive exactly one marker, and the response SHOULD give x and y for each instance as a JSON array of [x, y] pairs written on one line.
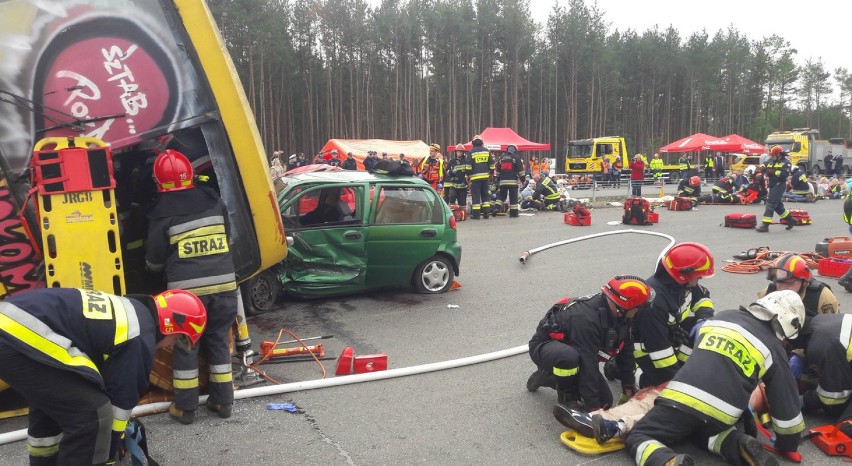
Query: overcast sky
[[826, 33]]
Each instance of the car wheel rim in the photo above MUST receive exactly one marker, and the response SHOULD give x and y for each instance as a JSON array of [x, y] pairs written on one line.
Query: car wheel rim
[[260, 294], [435, 276]]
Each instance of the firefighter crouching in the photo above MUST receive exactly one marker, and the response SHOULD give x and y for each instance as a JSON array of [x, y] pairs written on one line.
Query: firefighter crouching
[[723, 190], [572, 334], [690, 188], [662, 337], [82, 358], [825, 339], [734, 352], [777, 170], [188, 240], [547, 192], [509, 169], [481, 166]]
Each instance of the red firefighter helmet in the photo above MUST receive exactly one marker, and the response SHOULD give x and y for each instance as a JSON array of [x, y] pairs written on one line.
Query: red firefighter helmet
[[787, 268], [172, 171], [694, 181], [181, 312], [686, 261], [628, 292], [776, 150], [459, 148]]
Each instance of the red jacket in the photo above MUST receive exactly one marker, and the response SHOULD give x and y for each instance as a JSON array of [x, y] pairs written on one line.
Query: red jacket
[[637, 170]]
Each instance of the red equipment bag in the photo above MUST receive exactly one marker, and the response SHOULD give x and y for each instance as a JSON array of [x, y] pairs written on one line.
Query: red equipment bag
[[653, 217], [636, 211], [740, 220], [833, 267], [572, 218], [459, 212], [801, 216], [680, 203]]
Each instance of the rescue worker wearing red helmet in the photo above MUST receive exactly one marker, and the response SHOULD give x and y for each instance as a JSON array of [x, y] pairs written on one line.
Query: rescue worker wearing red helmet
[[690, 188], [455, 178], [575, 332], [791, 272], [777, 170], [188, 241], [662, 333], [723, 190], [82, 358], [734, 352]]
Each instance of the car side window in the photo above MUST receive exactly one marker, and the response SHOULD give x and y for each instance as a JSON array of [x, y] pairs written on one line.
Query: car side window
[[329, 206], [405, 205]]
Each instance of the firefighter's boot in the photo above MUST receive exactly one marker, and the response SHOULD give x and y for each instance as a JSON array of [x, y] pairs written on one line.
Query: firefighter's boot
[[763, 228], [751, 452], [579, 421], [513, 212], [569, 398], [789, 221], [474, 214], [846, 280], [486, 211], [680, 460], [540, 378], [223, 410], [184, 417]]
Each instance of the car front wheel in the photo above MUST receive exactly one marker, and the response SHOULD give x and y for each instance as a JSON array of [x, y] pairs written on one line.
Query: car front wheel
[[434, 275], [260, 293]]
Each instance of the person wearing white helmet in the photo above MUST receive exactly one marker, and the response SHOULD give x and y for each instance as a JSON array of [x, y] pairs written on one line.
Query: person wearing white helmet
[[740, 348]]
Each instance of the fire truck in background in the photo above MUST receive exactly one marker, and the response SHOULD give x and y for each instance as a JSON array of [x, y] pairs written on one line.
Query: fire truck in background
[[807, 151], [586, 156]]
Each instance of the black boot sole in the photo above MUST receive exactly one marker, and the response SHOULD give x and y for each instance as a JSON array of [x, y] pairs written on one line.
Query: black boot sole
[[752, 453], [563, 415]]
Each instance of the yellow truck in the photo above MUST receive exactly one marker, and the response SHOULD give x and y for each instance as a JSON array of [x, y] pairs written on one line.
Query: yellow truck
[[142, 76], [806, 150], [586, 155]]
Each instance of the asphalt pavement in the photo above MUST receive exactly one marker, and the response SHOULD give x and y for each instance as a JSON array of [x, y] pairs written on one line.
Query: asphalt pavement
[[477, 414]]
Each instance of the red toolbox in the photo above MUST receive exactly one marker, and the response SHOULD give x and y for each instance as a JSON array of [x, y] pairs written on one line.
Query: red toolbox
[[833, 267], [836, 246], [573, 219], [653, 217]]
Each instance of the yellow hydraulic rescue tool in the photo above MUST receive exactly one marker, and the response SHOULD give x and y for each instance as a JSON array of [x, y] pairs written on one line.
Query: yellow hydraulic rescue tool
[[75, 188]]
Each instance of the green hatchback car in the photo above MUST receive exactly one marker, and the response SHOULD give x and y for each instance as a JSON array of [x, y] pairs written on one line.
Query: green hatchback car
[[351, 231]]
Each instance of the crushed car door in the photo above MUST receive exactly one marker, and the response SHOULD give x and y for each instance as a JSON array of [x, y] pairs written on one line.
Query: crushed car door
[[328, 255]]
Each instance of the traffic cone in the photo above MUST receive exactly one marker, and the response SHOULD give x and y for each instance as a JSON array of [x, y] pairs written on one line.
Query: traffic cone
[[662, 190]]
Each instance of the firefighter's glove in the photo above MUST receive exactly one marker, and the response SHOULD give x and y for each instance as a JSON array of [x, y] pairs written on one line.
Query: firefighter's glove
[[680, 336], [439, 186], [797, 366]]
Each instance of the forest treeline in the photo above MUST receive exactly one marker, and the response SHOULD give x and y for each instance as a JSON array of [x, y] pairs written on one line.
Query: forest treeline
[[443, 70]]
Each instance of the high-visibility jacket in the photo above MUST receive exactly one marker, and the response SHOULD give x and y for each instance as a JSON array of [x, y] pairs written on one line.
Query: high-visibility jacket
[[188, 239], [656, 347], [734, 352], [546, 188], [656, 165], [684, 164], [106, 339], [432, 170], [509, 168], [456, 173], [829, 347], [708, 162], [777, 171], [544, 166], [481, 163], [587, 325]]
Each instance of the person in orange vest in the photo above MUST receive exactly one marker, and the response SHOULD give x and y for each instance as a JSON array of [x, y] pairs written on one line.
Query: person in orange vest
[[535, 168], [545, 166], [432, 168]]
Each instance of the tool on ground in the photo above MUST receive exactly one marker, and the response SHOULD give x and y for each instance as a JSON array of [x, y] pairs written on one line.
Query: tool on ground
[[790, 455], [831, 440], [244, 375], [348, 363], [324, 337], [268, 350]]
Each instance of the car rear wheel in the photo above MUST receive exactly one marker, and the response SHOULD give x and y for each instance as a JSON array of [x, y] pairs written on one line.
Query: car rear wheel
[[260, 293], [434, 275]]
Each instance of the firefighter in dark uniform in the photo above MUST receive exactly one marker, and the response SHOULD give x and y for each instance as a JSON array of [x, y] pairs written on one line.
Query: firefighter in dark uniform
[[790, 272], [570, 337], [662, 341], [776, 172], [546, 191], [455, 178], [82, 358], [825, 339], [481, 166], [734, 352], [691, 188], [509, 169], [723, 190], [188, 240]]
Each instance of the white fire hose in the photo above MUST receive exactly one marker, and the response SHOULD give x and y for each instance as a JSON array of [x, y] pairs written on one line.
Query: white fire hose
[[14, 436]]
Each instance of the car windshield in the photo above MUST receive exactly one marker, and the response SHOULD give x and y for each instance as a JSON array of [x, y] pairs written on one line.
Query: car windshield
[[579, 151]]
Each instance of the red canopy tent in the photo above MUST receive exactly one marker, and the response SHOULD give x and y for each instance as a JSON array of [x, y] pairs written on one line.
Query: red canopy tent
[[695, 142], [743, 145], [498, 139]]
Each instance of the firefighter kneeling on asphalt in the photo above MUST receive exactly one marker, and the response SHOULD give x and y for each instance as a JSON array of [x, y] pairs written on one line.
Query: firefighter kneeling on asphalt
[[572, 334], [733, 353], [82, 358]]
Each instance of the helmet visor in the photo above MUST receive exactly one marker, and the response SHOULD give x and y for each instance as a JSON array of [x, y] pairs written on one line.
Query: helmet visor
[[777, 275]]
